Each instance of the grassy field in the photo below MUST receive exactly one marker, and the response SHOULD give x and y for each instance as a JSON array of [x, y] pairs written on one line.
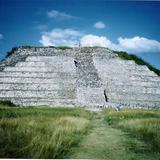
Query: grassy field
[[140, 123], [78, 133], [41, 132]]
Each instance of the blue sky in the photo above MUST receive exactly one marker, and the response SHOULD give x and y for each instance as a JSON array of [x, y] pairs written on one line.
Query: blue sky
[[119, 25]]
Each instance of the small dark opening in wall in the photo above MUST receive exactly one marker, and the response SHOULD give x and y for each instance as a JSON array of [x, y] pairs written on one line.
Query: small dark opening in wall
[[76, 63], [105, 95]]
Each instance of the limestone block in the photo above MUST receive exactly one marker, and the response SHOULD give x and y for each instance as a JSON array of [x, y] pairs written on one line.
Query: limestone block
[[87, 96], [31, 64], [83, 77], [43, 104], [133, 89], [39, 94], [41, 69], [134, 83], [21, 74], [53, 59], [37, 80], [46, 102], [136, 103], [36, 86], [130, 96]]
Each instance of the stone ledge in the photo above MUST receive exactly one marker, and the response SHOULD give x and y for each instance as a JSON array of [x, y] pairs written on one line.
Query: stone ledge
[[37, 80], [39, 94], [36, 86]]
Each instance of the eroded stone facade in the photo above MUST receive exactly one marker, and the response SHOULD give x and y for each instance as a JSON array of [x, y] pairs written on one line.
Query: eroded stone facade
[[76, 77]]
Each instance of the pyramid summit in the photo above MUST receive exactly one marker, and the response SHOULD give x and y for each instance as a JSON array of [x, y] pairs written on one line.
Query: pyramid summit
[[87, 76]]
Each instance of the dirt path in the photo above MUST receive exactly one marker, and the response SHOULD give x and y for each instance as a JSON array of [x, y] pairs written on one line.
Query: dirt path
[[104, 142]]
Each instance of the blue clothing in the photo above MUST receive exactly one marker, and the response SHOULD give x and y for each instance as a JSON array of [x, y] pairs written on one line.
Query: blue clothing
[[117, 107]]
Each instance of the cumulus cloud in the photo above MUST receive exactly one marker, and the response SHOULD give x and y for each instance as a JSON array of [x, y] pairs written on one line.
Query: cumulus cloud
[[59, 15], [60, 37], [99, 25], [138, 44], [133, 45], [93, 40], [71, 37], [1, 36]]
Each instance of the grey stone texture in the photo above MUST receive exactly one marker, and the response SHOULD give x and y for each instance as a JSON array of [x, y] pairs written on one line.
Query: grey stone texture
[[94, 77]]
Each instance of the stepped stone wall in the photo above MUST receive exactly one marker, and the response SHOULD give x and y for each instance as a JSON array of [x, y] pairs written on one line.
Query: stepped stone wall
[[76, 77]]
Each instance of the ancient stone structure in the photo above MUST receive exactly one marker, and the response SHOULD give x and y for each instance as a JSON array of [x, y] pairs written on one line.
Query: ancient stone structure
[[76, 77]]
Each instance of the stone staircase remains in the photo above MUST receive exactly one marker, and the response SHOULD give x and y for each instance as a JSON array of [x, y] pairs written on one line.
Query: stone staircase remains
[[94, 77]]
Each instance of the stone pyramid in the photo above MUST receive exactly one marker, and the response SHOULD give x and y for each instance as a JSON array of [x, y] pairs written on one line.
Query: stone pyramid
[[97, 77]]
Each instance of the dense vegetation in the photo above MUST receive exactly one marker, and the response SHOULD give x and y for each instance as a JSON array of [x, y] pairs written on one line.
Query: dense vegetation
[[58, 132], [11, 52], [7, 103], [140, 123], [63, 47], [137, 60], [40, 132], [56, 47]]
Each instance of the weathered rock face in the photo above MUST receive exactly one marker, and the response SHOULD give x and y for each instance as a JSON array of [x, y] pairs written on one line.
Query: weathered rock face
[[76, 77]]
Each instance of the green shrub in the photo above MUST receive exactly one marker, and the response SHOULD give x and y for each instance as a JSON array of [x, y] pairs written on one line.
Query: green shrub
[[51, 46], [11, 52], [27, 47], [63, 47], [95, 47], [7, 103]]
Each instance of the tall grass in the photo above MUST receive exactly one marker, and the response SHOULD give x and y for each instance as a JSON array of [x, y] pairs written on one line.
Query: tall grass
[[147, 129], [9, 112], [113, 117], [144, 124], [41, 132]]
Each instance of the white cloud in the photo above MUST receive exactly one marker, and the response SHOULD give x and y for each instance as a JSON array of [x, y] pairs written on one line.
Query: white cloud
[[59, 15], [71, 37], [1, 36], [132, 45], [93, 40], [138, 44], [61, 37], [99, 25]]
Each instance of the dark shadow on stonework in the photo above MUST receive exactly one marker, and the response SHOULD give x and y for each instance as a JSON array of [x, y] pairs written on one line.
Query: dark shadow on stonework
[[76, 63], [105, 95]]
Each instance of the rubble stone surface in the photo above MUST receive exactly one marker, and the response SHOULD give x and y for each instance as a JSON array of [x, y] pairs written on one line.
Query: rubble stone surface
[[94, 77]]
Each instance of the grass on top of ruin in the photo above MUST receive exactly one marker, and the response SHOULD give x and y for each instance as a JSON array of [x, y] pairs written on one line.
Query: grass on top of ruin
[[140, 123]]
